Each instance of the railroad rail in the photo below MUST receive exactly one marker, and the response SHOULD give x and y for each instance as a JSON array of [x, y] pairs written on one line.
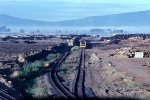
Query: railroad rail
[[5, 96], [54, 79], [79, 90]]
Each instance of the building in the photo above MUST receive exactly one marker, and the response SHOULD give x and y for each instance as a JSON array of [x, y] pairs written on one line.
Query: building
[[139, 55]]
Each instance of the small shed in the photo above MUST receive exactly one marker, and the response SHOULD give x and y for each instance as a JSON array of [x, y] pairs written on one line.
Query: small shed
[[139, 55]]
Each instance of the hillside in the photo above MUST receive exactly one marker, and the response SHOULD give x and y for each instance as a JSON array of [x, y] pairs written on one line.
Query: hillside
[[124, 19], [10, 20]]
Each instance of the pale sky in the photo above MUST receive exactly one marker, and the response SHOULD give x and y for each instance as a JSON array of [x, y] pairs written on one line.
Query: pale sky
[[56, 10]]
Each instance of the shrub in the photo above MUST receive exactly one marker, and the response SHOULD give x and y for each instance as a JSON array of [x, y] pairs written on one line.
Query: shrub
[[30, 67]]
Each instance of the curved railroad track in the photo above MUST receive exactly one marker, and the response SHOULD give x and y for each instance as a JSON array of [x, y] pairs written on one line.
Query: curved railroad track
[[79, 90], [54, 79]]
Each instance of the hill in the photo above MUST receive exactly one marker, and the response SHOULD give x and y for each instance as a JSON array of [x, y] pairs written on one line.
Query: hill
[[140, 18], [10, 20]]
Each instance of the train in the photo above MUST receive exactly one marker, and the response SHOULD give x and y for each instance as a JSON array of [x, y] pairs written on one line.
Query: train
[[82, 44], [76, 42]]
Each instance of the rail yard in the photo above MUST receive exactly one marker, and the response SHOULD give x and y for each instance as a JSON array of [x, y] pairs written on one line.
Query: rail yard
[[75, 66]]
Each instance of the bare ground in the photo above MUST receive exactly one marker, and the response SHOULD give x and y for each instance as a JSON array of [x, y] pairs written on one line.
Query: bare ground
[[131, 66], [111, 77]]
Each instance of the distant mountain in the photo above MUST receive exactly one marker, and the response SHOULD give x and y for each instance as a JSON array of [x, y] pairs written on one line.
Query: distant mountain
[[141, 18], [10, 20]]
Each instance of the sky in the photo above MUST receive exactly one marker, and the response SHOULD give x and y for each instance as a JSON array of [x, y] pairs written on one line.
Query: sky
[[59, 10]]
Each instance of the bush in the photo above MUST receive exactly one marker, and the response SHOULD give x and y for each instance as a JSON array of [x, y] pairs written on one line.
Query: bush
[[30, 67]]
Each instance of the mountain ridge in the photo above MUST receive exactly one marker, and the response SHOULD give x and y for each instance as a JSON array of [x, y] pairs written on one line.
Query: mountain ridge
[[140, 18]]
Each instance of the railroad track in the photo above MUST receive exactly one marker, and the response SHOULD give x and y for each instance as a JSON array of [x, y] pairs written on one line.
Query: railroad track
[[5, 96], [79, 90], [56, 83]]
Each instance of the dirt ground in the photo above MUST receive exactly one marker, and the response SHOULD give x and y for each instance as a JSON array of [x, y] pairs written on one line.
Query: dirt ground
[[116, 77], [131, 66]]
